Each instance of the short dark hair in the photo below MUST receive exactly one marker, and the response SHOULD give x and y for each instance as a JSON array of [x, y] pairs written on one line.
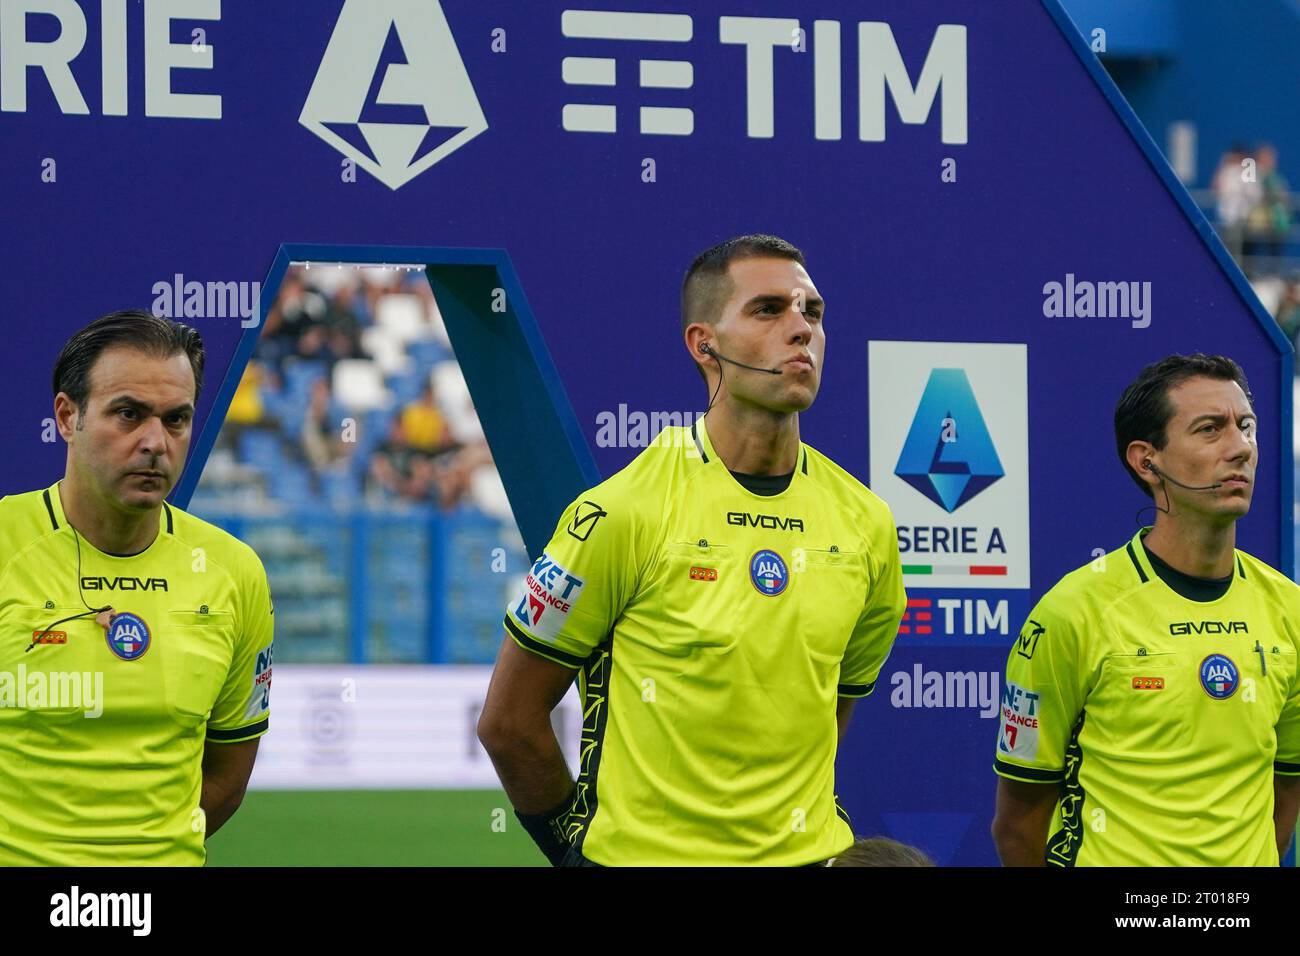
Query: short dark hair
[[707, 286], [133, 328], [1144, 410], [880, 851]]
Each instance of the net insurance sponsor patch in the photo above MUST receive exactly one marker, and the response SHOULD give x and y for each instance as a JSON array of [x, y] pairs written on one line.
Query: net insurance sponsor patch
[[1019, 734], [546, 598]]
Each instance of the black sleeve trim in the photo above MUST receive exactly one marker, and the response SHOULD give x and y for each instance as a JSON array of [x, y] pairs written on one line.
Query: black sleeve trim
[[856, 690], [1028, 774], [50, 508], [1133, 557], [544, 650], [239, 733], [1282, 767]]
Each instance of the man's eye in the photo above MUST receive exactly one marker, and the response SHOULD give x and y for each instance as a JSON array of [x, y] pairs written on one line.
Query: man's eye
[[128, 413]]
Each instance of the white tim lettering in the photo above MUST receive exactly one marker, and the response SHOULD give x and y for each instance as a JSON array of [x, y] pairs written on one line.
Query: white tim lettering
[[948, 606], [760, 36], [880, 65], [994, 618]]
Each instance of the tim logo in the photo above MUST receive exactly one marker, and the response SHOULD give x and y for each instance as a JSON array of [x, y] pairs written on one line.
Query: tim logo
[[392, 92], [948, 455]]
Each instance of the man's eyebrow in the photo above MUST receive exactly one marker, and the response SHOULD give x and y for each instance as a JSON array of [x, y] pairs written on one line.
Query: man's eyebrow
[[1216, 417], [782, 298], [128, 401]]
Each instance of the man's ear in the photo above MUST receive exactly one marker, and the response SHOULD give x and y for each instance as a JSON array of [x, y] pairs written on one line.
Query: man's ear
[[66, 414], [1138, 455]]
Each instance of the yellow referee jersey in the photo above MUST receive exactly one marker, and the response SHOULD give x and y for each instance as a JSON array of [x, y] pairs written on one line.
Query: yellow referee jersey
[[102, 730], [713, 629], [1161, 718]]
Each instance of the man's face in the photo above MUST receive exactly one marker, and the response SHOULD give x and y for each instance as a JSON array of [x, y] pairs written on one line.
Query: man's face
[[772, 320], [1210, 438], [129, 443]]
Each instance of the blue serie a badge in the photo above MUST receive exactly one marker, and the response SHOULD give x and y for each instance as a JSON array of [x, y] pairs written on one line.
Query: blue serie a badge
[[1219, 676], [128, 636], [768, 572]]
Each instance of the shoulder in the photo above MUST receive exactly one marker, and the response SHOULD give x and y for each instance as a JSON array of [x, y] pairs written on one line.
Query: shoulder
[[218, 545], [1280, 587], [847, 491], [24, 518], [638, 489], [1088, 590]]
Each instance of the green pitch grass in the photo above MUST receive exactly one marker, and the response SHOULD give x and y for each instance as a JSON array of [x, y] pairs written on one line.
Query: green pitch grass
[[373, 828]]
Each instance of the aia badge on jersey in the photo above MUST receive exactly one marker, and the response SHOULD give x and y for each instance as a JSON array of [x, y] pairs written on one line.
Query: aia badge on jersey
[[768, 572], [1219, 676], [128, 636]]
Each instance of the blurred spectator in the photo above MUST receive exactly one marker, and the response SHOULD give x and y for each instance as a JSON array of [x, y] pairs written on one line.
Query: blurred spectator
[[1268, 223], [1288, 310], [405, 472], [247, 407], [1235, 195], [423, 425], [321, 439]]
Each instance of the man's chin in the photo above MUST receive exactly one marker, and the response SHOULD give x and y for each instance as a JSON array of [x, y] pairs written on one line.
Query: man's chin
[[144, 498]]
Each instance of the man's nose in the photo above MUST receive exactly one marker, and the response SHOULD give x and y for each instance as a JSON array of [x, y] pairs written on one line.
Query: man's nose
[[801, 328], [153, 436]]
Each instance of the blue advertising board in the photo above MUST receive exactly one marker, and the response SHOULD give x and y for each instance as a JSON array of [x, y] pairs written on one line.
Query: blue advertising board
[[991, 228]]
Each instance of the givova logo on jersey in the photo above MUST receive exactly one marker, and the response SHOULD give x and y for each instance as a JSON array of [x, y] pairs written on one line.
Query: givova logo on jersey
[[954, 465], [546, 597]]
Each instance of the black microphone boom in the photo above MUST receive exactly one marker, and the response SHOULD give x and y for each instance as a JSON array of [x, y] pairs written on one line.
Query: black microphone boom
[[706, 348], [1161, 474]]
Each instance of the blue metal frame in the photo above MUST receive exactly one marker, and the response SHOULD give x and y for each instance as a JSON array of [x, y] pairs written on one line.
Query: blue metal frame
[[522, 364], [1286, 354]]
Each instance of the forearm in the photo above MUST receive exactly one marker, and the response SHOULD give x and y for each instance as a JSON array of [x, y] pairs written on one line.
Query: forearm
[[1019, 845], [531, 767], [219, 800]]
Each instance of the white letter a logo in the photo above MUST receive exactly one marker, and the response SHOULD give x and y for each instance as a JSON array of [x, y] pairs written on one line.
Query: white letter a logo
[[392, 92]]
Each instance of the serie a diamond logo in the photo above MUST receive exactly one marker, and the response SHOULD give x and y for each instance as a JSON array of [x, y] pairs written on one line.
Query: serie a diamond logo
[[948, 455], [392, 92]]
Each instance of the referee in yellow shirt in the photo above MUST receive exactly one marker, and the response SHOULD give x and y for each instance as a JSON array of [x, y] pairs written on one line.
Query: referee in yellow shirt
[[1151, 710], [723, 601], [135, 665]]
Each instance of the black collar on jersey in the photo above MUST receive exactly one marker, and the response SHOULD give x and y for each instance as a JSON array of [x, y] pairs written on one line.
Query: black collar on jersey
[[1188, 585], [765, 485], [699, 446], [1198, 585], [49, 507]]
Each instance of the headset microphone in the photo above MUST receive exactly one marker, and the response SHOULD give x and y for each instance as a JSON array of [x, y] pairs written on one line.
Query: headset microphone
[[1149, 466], [708, 350]]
